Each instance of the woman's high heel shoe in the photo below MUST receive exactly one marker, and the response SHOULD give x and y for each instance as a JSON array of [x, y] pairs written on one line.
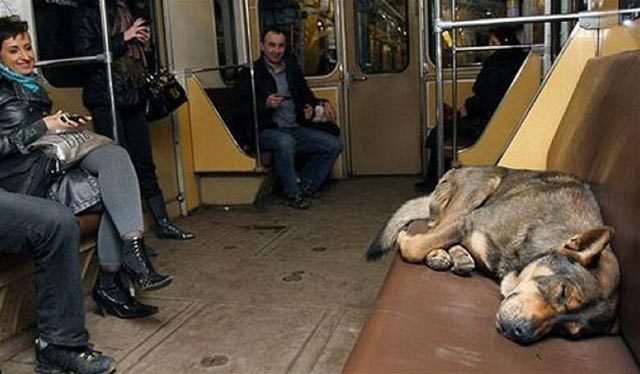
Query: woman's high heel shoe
[[139, 267], [167, 230], [112, 298]]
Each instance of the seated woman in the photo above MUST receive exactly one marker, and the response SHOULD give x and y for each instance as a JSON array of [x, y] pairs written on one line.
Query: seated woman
[[104, 179]]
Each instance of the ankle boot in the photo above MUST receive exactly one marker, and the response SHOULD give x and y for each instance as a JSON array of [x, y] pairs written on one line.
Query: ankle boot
[[113, 298], [139, 268], [164, 228]]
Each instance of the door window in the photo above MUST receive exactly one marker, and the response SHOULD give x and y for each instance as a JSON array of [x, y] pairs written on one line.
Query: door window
[[382, 35], [310, 29]]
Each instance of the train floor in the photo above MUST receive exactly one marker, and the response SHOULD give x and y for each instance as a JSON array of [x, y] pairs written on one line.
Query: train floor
[[260, 290]]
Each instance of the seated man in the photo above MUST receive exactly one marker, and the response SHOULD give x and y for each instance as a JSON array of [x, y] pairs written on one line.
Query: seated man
[[492, 83], [286, 106], [48, 232]]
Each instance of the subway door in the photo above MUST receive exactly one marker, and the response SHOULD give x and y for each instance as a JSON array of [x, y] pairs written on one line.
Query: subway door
[[383, 86]]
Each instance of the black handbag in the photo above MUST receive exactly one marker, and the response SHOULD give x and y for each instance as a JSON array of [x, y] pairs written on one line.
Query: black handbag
[[163, 94]]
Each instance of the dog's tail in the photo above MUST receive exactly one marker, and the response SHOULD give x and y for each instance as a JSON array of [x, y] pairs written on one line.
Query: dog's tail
[[386, 239]]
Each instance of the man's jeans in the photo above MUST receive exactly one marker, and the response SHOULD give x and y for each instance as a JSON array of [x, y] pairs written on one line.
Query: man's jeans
[[48, 232], [322, 148]]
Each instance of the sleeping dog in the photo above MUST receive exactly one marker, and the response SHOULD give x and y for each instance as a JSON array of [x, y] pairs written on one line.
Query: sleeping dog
[[540, 233]]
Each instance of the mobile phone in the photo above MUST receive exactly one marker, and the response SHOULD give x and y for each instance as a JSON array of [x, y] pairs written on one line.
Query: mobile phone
[[77, 118], [286, 97]]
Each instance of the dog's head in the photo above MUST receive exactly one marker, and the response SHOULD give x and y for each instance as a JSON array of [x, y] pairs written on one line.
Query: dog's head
[[572, 292]]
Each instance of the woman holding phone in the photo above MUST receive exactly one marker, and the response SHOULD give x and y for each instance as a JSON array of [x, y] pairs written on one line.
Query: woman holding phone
[[129, 41]]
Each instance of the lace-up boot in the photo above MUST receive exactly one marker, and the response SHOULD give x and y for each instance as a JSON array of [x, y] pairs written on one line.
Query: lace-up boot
[[140, 268]]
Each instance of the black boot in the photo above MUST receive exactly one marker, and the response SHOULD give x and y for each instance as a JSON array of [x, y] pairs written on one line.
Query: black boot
[[139, 268], [164, 228], [113, 298]]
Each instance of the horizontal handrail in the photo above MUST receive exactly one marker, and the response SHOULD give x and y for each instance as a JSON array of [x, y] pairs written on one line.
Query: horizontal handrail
[[498, 47], [446, 25], [72, 61], [190, 71]]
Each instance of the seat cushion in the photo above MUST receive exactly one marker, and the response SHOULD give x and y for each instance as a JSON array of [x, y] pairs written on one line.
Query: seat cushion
[[436, 322]]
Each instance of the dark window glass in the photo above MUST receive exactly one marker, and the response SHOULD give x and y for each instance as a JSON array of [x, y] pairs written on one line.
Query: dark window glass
[[383, 35], [310, 30]]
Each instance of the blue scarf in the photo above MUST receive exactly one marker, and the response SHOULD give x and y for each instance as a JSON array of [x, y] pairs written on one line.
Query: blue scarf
[[30, 82]]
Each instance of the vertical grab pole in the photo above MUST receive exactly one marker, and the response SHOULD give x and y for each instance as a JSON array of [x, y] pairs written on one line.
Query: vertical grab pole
[[256, 129], [454, 83], [439, 89], [108, 60]]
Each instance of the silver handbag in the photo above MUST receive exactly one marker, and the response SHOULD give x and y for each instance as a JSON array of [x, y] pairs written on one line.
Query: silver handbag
[[69, 147]]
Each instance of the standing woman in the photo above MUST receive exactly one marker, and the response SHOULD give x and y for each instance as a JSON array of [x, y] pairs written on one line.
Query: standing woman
[[128, 40], [103, 180]]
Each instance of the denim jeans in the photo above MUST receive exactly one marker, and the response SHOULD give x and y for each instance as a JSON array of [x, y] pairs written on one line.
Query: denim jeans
[[322, 148], [48, 232]]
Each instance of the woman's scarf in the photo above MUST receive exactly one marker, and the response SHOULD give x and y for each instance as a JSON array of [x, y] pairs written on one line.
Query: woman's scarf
[[30, 82], [122, 22]]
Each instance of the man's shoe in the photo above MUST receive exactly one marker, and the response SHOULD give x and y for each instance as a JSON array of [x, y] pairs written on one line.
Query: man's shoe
[[299, 202], [79, 360], [308, 193]]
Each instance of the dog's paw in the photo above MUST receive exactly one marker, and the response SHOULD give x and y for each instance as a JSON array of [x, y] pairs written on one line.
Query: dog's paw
[[463, 263], [438, 260]]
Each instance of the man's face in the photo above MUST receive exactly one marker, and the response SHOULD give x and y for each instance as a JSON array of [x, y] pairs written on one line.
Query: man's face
[[272, 47]]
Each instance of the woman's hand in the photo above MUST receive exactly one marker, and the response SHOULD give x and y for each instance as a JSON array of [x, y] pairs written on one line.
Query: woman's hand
[[59, 122], [138, 31]]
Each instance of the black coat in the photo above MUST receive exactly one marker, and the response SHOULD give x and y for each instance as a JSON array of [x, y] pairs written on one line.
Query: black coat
[[497, 73], [21, 171], [242, 124], [88, 42]]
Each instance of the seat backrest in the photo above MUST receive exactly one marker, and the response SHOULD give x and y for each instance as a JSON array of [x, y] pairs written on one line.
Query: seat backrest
[[597, 140]]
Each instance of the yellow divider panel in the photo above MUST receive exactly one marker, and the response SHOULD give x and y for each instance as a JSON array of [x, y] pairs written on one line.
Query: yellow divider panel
[[214, 148]]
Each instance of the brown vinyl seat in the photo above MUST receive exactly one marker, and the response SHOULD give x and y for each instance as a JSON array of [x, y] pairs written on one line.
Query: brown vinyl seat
[[429, 322]]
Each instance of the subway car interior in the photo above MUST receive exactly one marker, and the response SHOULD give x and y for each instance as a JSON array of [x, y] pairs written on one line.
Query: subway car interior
[[268, 288]]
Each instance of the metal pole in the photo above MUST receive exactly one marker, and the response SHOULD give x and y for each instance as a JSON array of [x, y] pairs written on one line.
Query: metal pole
[[252, 73], [108, 60], [454, 84], [423, 40], [439, 90], [445, 25]]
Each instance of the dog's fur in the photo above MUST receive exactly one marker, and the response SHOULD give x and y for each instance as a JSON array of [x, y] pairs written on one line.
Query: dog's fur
[[540, 233]]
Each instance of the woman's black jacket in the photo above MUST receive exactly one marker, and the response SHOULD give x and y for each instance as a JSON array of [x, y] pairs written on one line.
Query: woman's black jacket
[[88, 42], [22, 171]]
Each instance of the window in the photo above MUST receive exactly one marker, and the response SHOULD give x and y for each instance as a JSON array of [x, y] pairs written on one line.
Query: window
[[383, 35], [310, 29], [476, 36]]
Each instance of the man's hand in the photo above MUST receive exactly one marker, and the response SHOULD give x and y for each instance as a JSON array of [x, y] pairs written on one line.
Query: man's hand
[[329, 112], [138, 31], [308, 111], [274, 100]]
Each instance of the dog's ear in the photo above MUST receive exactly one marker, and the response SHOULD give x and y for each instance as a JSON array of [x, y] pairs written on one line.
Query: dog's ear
[[585, 247]]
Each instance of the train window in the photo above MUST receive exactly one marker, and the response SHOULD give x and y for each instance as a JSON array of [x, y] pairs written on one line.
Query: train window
[[382, 30], [479, 9], [310, 29]]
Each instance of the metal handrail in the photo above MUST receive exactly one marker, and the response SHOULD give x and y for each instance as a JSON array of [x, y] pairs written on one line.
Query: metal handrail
[[498, 47], [441, 25], [71, 61], [191, 71]]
